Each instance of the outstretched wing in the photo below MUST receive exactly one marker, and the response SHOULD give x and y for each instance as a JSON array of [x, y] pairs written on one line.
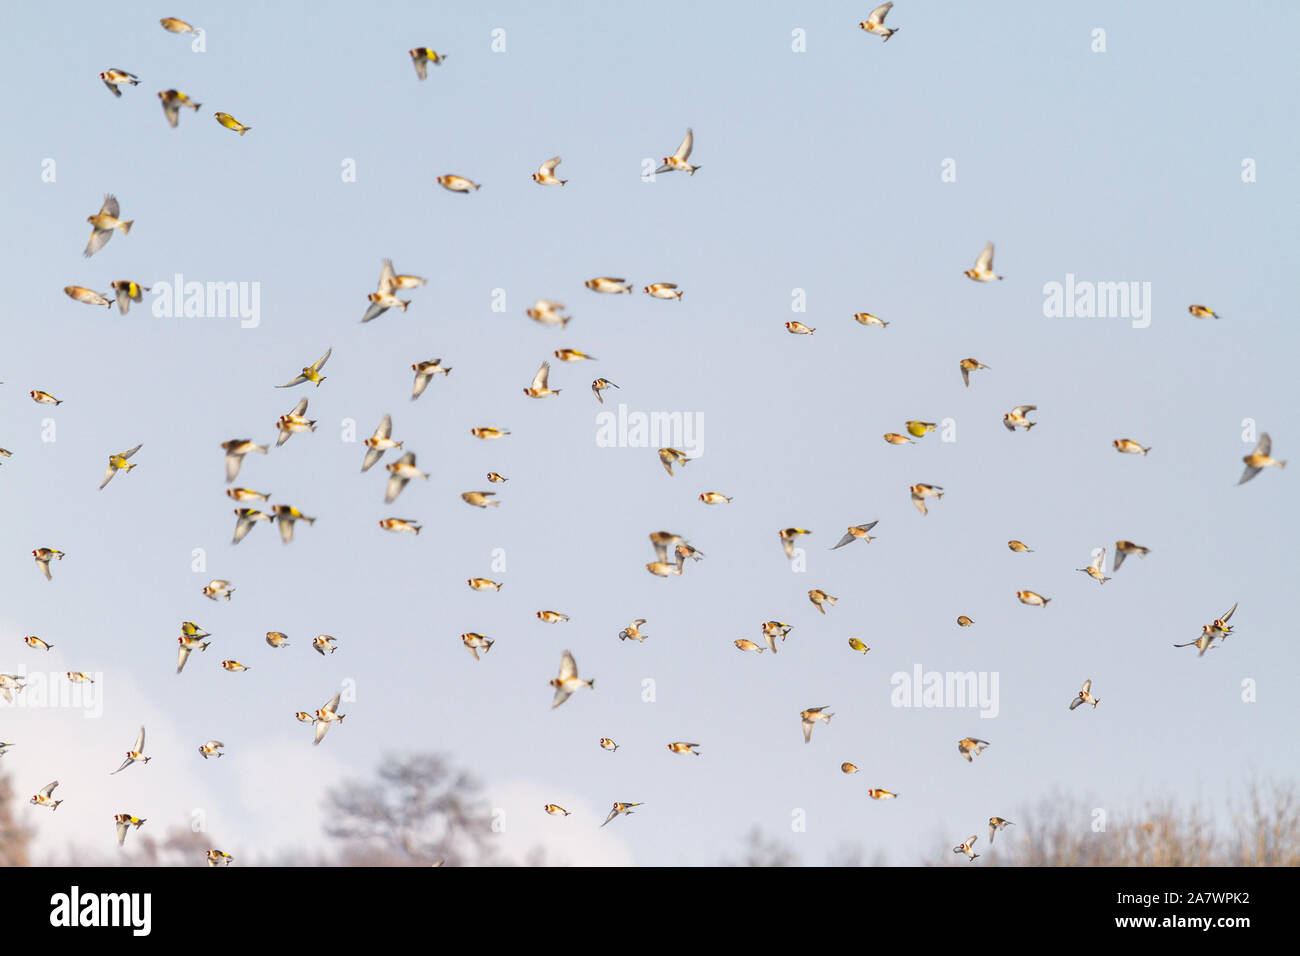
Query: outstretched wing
[[683, 151], [985, 261]]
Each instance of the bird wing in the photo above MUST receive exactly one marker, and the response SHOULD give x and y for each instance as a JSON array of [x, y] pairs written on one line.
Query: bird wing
[[372, 455], [373, 311], [172, 112], [612, 814], [98, 238], [297, 381], [395, 485], [181, 658], [965, 376], [421, 66], [300, 409], [49, 788], [387, 277], [125, 763], [1120, 555], [1250, 472], [548, 167], [543, 373], [1231, 610], [1097, 561], [322, 728], [847, 539], [807, 726], [422, 380], [568, 667], [286, 527], [112, 89], [877, 16], [122, 827], [110, 206], [385, 429], [332, 705], [45, 567], [1265, 446], [129, 453], [683, 151], [320, 362], [108, 476], [139, 742], [920, 502], [242, 526], [561, 695], [1087, 686], [985, 261], [1025, 409]]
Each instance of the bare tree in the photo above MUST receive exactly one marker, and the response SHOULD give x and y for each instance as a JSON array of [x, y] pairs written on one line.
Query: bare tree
[[419, 812], [14, 837]]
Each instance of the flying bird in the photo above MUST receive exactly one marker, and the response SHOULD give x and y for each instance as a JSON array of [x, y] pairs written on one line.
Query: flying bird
[[983, 271], [135, 754], [875, 22], [1083, 697], [118, 463], [678, 160], [1259, 459], [104, 223], [568, 681], [311, 373]]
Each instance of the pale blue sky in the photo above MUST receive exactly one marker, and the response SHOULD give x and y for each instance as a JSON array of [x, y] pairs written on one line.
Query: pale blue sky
[[819, 171]]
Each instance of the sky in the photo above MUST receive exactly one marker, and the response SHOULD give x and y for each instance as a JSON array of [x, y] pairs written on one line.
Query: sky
[[826, 179]]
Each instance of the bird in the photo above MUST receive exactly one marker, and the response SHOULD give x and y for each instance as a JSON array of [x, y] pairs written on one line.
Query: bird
[[966, 847], [217, 588], [310, 373], [1019, 547], [875, 22], [229, 122], [379, 442], [286, 516], [996, 824], [118, 463], [971, 745], [104, 223], [1221, 626], [1124, 548], [245, 520], [235, 450], [1259, 459], [384, 298], [858, 646], [172, 101], [126, 293], [866, 318], [1127, 446], [277, 639], [633, 631], [568, 681], [714, 498], [324, 644], [43, 797], [598, 386], [475, 643], [540, 388], [496, 477], [608, 285], [1094, 570], [969, 365], [400, 525], [620, 807], [553, 617], [964, 621], [875, 793], [921, 492], [173, 25], [400, 472], [847, 767], [211, 748], [919, 429], [896, 439], [788, 537], [547, 312], [113, 78], [573, 355], [1016, 418], [484, 584], [983, 271], [671, 456], [677, 162], [663, 290], [37, 643], [219, 858], [43, 556], [662, 541], [745, 644], [234, 666], [607, 744], [43, 398], [480, 499], [187, 646], [857, 532], [772, 630], [294, 422], [422, 56], [1204, 642], [135, 754], [680, 747], [1032, 598], [327, 716], [86, 296], [554, 809], [124, 823], [820, 599], [1083, 697], [424, 373], [1202, 312], [457, 184], [810, 717], [545, 175], [798, 328]]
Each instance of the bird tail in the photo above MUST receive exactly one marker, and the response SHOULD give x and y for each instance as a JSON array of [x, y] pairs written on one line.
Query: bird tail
[[56, 804], [1045, 600], [244, 130], [592, 683], [1030, 425], [417, 530], [126, 226]]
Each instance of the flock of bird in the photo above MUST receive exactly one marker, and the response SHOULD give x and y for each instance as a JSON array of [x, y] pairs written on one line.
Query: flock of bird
[[107, 222]]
